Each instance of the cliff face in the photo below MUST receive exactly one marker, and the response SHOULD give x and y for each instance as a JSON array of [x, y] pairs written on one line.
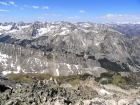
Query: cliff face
[[65, 48], [15, 58]]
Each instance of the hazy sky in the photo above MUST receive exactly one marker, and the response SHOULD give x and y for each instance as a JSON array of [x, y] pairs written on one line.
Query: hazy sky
[[70, 10]]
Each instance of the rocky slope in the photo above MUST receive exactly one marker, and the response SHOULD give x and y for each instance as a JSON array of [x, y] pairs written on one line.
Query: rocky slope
[[52, 92], [63, 48]]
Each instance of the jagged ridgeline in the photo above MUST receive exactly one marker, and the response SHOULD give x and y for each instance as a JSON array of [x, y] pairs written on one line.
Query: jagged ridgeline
[[63, 48]]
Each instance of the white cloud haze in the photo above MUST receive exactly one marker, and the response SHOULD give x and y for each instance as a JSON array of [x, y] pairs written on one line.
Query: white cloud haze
[[22, 8], [4, 3], [75, 17], [45, 7], [120, 16], [82, 11], [2, 10], [12, 3], [35, 7]]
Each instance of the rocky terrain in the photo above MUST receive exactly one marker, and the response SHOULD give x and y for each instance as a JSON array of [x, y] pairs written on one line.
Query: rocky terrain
[[63, 48], [54, 92]]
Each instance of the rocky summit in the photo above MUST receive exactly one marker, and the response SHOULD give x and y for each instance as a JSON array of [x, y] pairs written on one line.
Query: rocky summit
[[54, 92], [63, 48]]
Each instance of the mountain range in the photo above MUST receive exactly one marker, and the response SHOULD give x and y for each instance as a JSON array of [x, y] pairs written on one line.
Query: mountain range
[[64, 48]]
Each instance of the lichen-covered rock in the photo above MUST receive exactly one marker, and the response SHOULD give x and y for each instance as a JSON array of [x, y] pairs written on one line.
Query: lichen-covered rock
[[48, 92], [6, 85]]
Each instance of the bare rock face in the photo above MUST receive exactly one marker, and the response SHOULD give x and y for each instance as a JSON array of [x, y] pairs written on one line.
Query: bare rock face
[[64, 48], [6, 84]]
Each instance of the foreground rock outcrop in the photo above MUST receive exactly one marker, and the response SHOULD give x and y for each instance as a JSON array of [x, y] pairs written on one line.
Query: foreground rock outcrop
[[52, 92], [6, 84]]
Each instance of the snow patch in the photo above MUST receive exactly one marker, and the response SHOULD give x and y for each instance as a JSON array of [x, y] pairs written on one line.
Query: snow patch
[[95, 32], [42, 31], [3, 59], [104, 92], [6, 72], [86, 31], [64, 28], [51, 27], [65, 32], [24, 71], [77, 67], [18, 68], [96, 68], [25, 26], [96, 42], [15, 72], [12, 31], [12, 65], [8, 27], [57, 72], [86, 25], [69, 66], [4, 55]]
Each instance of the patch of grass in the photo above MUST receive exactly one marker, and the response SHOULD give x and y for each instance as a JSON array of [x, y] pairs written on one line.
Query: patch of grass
[[66, 79], [114, 78], [31, 77], [106, 75], [85, 76], [119, 81], [104, 82], [73, 79], [74, 82]]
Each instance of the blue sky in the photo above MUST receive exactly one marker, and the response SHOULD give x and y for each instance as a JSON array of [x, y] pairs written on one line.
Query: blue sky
[[70, 10]]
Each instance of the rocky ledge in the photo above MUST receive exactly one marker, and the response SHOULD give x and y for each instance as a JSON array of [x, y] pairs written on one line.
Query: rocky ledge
[[53, 92]]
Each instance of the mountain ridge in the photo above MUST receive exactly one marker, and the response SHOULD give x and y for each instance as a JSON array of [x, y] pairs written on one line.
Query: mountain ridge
[[64, 48]]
